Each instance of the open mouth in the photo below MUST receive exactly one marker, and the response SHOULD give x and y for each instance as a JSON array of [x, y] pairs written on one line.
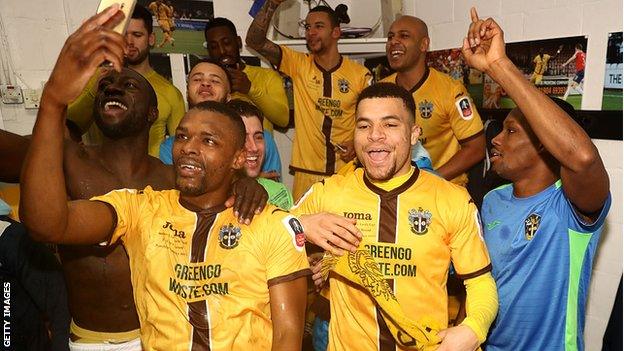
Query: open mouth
[[252, 161], [394, 54], [494, 154], [377, 155], [189, 168], [114, 104]]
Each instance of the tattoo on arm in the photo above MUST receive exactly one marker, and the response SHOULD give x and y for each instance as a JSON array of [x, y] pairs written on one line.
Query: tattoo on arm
[[256, 35]]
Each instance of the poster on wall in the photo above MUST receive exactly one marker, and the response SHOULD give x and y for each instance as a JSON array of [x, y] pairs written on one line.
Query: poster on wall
[[555, 66], [612, 92], [179, 24]]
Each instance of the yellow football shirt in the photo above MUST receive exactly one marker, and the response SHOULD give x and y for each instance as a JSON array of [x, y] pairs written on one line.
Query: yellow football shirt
[[541, 64], [413, 232], [171, 109], [200, 279], [324, 109], [268, 94], [446, 114]]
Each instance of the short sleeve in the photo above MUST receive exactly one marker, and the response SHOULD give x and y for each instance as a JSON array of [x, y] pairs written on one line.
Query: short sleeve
[[578, 223], [463, 116], [285, 247], [292, 61], [468, 251], [311, 201], [127, 206]]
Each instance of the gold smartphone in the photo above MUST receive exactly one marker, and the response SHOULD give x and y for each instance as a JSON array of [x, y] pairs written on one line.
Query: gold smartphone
[[126, 6]]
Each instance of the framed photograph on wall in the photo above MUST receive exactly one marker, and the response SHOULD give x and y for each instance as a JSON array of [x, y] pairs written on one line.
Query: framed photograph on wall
[[612, 92]]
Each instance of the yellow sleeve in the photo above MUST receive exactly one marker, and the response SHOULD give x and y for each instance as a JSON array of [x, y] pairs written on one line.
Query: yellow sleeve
[[463, 115], [481, 304], [127, 206], [80, 111], [468, 252], [177, 111], [269, 95], [311, 202], [286, 257], [291, 61]]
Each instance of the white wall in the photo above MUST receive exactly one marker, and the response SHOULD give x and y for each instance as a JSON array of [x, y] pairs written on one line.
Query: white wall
[[38, 28]]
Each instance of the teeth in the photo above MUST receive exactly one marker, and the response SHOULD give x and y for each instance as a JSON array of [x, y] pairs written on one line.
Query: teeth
[[191, 167], [252, 158], [109, 104], [396, 52]]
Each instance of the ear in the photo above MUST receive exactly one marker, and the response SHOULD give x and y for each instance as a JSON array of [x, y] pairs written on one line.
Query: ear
[[228, 97], [415, 134], [424, 44], [151, 39], [152, 115], [336, 32], [240, 43], [239, 159]]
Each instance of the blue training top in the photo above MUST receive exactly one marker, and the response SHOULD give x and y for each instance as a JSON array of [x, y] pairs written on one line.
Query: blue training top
[[542, 254]]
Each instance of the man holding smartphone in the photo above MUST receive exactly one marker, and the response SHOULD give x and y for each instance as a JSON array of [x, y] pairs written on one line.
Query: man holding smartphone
[[139, 38]]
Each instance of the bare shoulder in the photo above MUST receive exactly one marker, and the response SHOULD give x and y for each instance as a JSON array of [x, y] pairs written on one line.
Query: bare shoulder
[[163, 176]]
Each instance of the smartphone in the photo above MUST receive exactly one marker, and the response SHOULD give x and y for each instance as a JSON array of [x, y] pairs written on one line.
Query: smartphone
[[126, 6]]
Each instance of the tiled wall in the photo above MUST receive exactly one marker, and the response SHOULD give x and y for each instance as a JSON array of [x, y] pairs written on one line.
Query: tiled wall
[[38, 28]]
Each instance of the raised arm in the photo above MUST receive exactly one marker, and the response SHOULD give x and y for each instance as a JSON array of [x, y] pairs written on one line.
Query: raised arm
[[288, 304], [256, 34], [13, 149], [583, 175], [44, 208]]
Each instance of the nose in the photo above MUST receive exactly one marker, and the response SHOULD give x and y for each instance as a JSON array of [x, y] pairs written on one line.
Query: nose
[[376, 133], [496, 141], [250, 144], [188, 146]]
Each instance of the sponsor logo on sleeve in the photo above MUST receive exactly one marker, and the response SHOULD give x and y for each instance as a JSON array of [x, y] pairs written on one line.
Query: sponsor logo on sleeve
[[464, 107], [295, 229]]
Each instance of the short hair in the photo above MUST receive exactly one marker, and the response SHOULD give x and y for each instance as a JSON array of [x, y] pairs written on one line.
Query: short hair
[[333, 18], [219, 22], [216, 63], [142, 13], [245, 108], [578, 46], [225, 110], [389, 90]]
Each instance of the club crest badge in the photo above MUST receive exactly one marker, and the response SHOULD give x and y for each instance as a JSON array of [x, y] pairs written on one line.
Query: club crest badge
[[426, 109], [229, 236], [419, 220], [343, 86], [531, 224]]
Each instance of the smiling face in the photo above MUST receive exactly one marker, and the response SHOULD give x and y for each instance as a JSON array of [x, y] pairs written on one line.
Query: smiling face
[[206, 152], [384, 135], [319, 34], [515, 150], [138, 42], [407, 43], [254, 146], [223, 45], [207, 82], [125, 104]]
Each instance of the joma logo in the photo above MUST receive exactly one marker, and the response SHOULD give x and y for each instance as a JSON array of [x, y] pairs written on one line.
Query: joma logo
[[178, 233], [358, 216]]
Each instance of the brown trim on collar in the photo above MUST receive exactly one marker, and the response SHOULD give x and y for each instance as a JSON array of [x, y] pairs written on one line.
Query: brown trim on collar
[[481, 271], [419, 83], [331, 70], [474, 136], [297, 169], [289, 277], [200, 211], [394, 192]]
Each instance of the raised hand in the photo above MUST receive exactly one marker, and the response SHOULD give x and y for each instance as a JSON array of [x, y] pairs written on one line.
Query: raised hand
[[484, 43], [84, 51]]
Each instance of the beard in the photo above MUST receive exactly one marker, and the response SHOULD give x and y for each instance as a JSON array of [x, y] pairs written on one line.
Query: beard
[[140, 57], [130, 126], [191, 189]]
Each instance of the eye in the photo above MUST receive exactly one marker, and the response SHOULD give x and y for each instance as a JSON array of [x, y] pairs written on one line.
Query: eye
[[510, 130], [103, 83], [130, 85], [362, 126], [209, 141], [180, 136]]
